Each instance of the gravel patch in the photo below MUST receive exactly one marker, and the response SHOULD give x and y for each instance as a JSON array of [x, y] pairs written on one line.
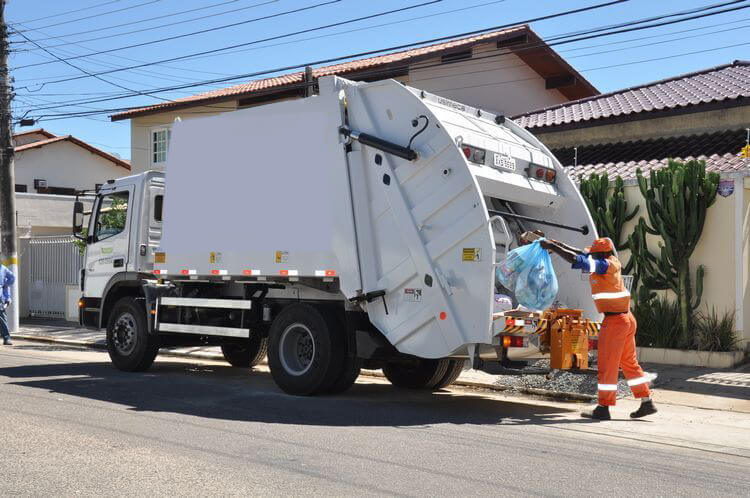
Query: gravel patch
[[563, 382]]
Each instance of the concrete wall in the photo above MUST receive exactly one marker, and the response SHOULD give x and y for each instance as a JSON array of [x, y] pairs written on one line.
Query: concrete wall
[[726, 277], [64, 164], [681, 125]]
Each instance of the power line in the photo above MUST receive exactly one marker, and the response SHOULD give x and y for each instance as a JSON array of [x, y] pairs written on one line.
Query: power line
[[68, 12], [160, 75], [350, 56], [300, 40], [172, 14], [98, 15], [55, 117], [531, 46], [207, 30], [91, 74]]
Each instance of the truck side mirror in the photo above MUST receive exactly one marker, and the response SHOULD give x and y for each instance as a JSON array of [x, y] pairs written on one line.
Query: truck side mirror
[[77, 217]]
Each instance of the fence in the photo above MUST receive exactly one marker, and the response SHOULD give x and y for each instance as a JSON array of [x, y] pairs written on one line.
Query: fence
[[54, 264]]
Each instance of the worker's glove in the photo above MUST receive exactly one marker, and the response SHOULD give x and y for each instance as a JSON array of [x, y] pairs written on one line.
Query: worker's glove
[[6, 304]]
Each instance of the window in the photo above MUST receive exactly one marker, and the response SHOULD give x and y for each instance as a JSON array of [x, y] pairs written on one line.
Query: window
[[111, 216], [22, 187], [159, 144], [158, 207]]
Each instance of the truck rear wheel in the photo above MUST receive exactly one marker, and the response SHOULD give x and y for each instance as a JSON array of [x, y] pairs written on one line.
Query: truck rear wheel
[[131, 348], [305, 353], [246, 355], [455, 368], [421, 374]]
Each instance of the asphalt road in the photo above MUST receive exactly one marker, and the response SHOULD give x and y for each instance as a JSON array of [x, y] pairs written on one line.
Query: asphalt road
[[72, 424]]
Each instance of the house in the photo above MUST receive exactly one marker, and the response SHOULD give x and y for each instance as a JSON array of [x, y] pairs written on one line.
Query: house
[[49, 169], [505, 72], [701, 115]]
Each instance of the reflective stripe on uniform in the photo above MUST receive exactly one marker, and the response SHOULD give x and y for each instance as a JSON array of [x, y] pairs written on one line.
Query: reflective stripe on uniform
[[607, 387], [610, 295], [642, 380], [592, 265]]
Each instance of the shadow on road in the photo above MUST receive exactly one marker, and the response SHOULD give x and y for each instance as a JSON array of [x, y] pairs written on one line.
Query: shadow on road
[[227, 393]]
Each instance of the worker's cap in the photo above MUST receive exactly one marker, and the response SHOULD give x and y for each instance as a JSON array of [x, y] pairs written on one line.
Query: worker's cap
[[601, 245]]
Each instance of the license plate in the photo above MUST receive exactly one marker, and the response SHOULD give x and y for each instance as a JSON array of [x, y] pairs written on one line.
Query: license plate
[[504, 161]]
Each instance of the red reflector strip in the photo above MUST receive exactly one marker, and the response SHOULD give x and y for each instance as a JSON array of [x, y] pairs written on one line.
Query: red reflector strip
[[289, 273], [325, 273], [160, 272], [188, 271], [219, 272], [251, 272]]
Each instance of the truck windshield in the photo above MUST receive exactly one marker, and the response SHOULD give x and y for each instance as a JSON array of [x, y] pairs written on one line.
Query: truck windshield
[[111, 215]]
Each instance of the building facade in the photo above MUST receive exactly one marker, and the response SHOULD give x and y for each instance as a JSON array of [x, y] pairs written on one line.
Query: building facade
[[702, 115], [505, 72]]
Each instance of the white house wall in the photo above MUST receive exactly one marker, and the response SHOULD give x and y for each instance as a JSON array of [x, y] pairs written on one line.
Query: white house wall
[[64, 164], [140, 131], [500, 84]]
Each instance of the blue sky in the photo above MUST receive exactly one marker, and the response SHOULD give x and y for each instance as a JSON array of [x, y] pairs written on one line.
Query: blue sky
[[63, 36]]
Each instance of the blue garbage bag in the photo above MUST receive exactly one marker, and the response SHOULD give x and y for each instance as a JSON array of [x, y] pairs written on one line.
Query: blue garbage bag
[[528, 272]]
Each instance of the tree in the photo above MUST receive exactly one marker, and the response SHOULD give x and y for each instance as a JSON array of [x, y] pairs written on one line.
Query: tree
[[610, 212], [677, 199], [112, 217]]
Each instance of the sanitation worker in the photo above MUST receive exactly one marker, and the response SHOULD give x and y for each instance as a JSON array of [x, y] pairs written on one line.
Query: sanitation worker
[[617, 334]]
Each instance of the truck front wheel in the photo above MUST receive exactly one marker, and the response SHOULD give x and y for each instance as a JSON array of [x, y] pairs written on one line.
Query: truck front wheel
[[420, 374], [131, 348], [305, 353], [246, 355]]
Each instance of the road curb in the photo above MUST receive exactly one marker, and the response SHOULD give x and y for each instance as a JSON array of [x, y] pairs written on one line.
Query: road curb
[[546, 393]]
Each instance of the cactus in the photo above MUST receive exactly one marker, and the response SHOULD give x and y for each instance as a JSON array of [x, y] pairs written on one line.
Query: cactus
[[610, 212], [677, 199]]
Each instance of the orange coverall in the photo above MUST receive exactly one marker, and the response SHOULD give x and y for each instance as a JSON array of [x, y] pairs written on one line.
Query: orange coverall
[[617, 334]]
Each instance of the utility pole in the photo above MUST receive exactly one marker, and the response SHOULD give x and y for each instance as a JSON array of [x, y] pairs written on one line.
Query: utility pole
[[8, 251]]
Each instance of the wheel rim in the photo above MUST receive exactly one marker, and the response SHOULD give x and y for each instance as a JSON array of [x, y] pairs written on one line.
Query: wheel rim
[[296, 349], [124, 334]]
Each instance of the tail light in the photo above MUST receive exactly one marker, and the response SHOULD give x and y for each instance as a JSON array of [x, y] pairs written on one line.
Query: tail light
[[474, 154], [542, 174], [593, 344], [513, 341]]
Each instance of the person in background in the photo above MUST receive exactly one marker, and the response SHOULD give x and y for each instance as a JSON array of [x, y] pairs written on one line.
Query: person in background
[[6, 281], [617, 334]]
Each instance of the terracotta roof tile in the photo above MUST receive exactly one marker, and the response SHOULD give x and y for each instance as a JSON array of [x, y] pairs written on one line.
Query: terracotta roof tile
[[69, 138], [729, 81], [719, 150]]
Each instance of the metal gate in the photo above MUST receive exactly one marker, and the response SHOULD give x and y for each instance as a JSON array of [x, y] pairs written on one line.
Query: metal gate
[[54, 263]]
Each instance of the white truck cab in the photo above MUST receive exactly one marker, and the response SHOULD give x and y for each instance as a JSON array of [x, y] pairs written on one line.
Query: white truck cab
[[360, 226]]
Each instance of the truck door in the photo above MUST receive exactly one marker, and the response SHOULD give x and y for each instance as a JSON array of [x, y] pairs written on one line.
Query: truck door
[[109, 237]]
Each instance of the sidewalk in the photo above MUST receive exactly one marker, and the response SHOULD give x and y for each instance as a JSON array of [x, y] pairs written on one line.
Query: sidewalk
[[712, 389]]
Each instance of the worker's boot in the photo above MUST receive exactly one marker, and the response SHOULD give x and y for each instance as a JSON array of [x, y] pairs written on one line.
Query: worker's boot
[[598, 413], [7, 341], [646, 408]]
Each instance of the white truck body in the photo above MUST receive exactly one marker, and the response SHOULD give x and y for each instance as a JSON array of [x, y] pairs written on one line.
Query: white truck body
[[270, 193], [360, 227]]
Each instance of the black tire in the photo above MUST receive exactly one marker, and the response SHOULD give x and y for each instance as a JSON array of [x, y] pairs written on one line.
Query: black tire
[[348, 376], [246, 355], [305, 351], [422, 374], [455, 367], [131, 348]]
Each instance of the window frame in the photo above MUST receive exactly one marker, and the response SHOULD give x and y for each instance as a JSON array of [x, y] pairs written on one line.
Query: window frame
[[153, 142], [100, 204]]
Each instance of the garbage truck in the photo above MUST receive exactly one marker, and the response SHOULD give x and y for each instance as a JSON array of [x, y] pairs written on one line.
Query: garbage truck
[[356, 228]]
